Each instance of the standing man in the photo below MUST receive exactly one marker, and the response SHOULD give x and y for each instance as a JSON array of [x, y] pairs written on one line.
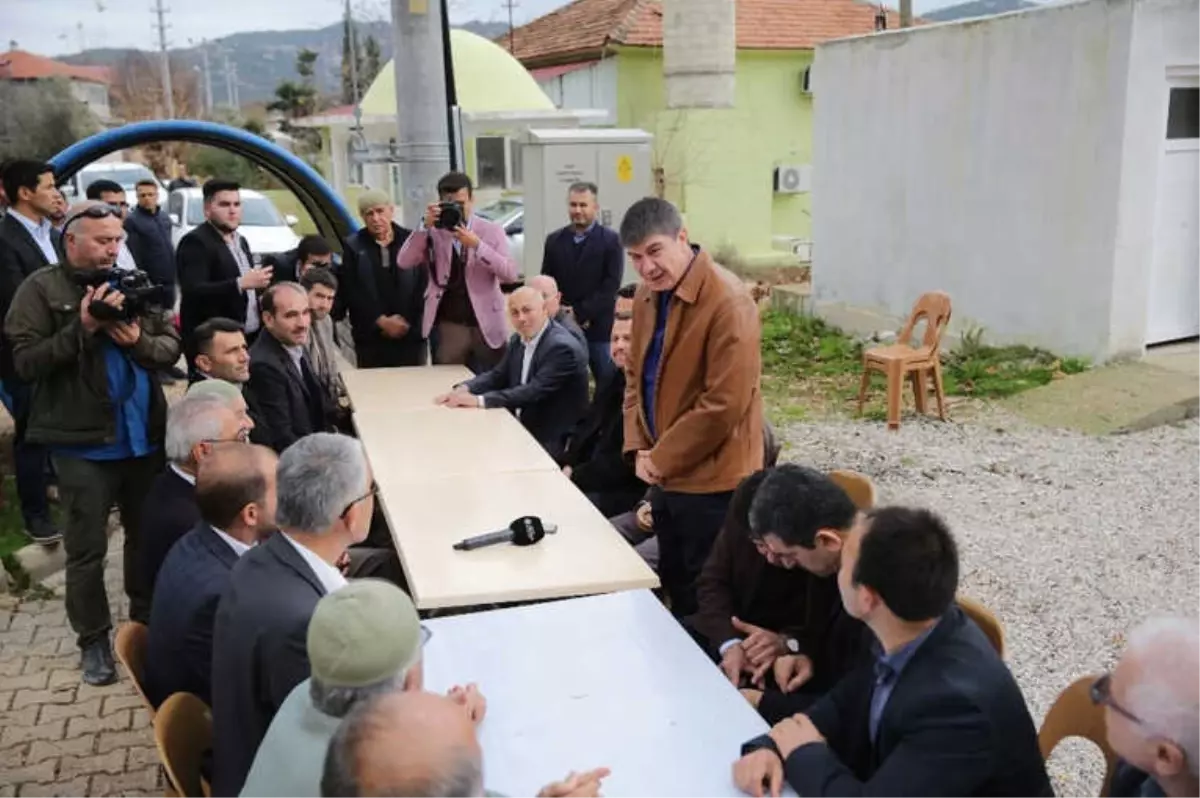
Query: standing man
[[99, 406], [216, 270], [149, 239], [467, 261], [693, 410], [111, 193], [281, 376], [28, 241], [585, 258], [386, 303]]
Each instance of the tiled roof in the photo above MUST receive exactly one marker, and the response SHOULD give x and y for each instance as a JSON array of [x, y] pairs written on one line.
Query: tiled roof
[[20, 65], [580, 30]]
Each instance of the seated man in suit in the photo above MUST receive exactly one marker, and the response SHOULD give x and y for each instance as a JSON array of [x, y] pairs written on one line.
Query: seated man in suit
[[376, 621], [322, 286], [284, 384], [770, 611], [210, 414], [542, 377], [219, 351], [235, 491], [548, 288], [937, 713], [593, 458], [326, 494], [1150, 709]]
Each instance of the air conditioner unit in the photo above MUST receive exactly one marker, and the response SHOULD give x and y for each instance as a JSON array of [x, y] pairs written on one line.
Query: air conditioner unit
[[793, 179]]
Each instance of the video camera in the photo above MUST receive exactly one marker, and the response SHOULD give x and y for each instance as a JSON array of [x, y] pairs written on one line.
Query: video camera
[[141, 294], [450, 215]]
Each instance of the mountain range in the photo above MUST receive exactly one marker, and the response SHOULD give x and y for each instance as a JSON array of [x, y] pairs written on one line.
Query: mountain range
[[976, 8], [261, 60]]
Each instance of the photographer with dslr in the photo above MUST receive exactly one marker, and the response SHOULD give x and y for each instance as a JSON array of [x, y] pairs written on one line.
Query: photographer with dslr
[[93, 356], [467, 257]]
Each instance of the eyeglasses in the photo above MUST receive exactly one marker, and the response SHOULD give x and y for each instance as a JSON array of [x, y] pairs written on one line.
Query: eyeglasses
[[1101, 695], [374, 490], [92, 212]]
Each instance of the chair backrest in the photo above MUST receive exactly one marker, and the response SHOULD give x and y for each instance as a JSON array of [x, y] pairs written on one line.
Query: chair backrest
[[934, 308], [858, 487], [131, 653], [1074, 715], [985, 620], [183, 733]]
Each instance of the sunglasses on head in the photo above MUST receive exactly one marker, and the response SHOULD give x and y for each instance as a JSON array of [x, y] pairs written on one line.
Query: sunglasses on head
[[92, 212]]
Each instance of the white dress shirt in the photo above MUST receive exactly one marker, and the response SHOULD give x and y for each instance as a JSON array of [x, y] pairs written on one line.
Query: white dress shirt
[[526, 360], [329, 577], [40, 233], [239, 548], [185, 476], [125, 261], [234, 242]]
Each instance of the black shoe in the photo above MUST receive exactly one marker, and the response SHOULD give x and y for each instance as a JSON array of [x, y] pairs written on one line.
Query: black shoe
[[96, 660], [43, 531]]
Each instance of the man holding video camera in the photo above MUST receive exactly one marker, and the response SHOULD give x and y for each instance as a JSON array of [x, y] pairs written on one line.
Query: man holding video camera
[[467, 257], [93, 355]]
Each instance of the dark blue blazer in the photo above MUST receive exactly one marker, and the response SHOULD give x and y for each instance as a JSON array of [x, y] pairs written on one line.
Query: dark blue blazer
[[555, 394], [588, 277], [190, 583], [150, 244], [168, 513], [955, 724], [260, 652]]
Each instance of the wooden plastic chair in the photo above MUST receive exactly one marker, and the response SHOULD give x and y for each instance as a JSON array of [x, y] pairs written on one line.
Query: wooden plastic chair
[[183, 733], [857, 486], [985, 620], [900, 360], [1074, 715], [131, 653]]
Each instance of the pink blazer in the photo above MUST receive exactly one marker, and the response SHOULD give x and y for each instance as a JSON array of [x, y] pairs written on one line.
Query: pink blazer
[[488, 266]]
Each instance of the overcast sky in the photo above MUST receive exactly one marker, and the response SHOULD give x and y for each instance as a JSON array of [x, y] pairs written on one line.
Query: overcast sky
[[50, 27]]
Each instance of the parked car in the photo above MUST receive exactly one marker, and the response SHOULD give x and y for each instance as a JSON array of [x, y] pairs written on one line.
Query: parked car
[[125, 174], [509, 213], [266, 230]]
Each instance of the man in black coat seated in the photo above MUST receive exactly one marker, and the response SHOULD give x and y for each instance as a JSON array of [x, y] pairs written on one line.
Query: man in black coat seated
[[593, 458], [542, 378], [937, 713], [1150, 710], [218, 349], [386, 303]]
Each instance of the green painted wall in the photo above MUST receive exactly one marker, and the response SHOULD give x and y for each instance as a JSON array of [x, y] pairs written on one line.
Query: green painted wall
[[718, 163]]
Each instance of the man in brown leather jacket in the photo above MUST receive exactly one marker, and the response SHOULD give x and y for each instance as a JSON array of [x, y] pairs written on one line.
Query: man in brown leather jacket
[[693, 407]]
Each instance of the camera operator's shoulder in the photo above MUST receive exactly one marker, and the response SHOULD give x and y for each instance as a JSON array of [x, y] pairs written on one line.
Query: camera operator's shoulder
[[50, 279]]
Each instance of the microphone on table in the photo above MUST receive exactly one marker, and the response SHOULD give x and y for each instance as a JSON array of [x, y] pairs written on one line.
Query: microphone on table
[[525, 531]]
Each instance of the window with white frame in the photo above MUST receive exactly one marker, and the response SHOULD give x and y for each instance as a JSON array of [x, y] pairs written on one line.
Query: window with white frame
[[491, 162]]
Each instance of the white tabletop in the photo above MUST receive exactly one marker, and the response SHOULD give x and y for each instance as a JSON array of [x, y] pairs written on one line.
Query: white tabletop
[[389, 390], [586, 555], [605, 681]]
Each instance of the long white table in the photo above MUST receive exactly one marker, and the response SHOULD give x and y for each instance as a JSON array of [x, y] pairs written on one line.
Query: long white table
[[446, 474], [608, 681]]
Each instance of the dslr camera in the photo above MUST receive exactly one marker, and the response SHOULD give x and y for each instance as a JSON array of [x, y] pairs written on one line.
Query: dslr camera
[[450, 215], [141, 294]]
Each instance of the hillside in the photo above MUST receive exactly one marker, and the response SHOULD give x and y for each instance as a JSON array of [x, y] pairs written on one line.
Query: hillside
[[977, 8], [263, 59]]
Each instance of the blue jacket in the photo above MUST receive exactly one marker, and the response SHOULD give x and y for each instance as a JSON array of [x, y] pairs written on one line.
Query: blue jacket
[[150, 244]]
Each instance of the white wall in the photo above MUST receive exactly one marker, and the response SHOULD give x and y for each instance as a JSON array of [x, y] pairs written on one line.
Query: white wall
[[987, 158]]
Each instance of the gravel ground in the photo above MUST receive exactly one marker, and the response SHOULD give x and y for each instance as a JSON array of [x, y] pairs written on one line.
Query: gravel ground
[[1070, 540]]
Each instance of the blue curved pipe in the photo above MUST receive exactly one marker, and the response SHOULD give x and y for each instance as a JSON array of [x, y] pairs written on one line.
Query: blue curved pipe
[[330, 214]]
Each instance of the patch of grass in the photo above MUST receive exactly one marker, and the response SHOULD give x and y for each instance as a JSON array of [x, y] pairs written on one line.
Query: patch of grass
[[812, 369], [287, 203], [12, 525]]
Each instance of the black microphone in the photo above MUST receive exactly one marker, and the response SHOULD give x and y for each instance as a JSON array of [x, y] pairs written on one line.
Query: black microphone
[[525, 531]]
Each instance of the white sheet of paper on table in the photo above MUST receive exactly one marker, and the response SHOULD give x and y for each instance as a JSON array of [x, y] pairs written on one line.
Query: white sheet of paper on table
[[607, 680]]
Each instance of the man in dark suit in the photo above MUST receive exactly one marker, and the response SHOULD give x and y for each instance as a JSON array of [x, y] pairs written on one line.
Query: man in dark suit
[[937, 713], [386, 303], [28, 242], [593, 458], [217, 275], [212, 413], [542, 378], [287, 390], [1150, 710], [325, 497], [149, 238], [219, 351], [235, 492], [587, 260]]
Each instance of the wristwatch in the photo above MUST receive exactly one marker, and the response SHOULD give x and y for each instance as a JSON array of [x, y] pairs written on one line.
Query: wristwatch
[[792, 645]]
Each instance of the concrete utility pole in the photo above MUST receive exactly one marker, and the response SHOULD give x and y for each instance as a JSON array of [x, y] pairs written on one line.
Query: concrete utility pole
[[164, 59], [208, 98], [510, 5], [906, 13], [423, 143], [229, 99]]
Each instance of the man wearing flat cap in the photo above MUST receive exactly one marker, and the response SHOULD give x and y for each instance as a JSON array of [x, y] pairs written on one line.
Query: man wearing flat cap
[[385, 302], [363, 640]]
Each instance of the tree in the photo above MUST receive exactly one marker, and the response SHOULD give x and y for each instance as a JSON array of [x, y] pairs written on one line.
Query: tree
[[349, 95], [41, 118], [373, 62], [294, 100]]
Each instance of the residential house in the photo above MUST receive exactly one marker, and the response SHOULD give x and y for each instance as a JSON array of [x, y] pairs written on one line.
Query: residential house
[[89, 84]]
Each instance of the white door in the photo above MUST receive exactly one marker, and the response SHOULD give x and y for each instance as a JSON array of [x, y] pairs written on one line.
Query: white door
[[1174, 309]]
